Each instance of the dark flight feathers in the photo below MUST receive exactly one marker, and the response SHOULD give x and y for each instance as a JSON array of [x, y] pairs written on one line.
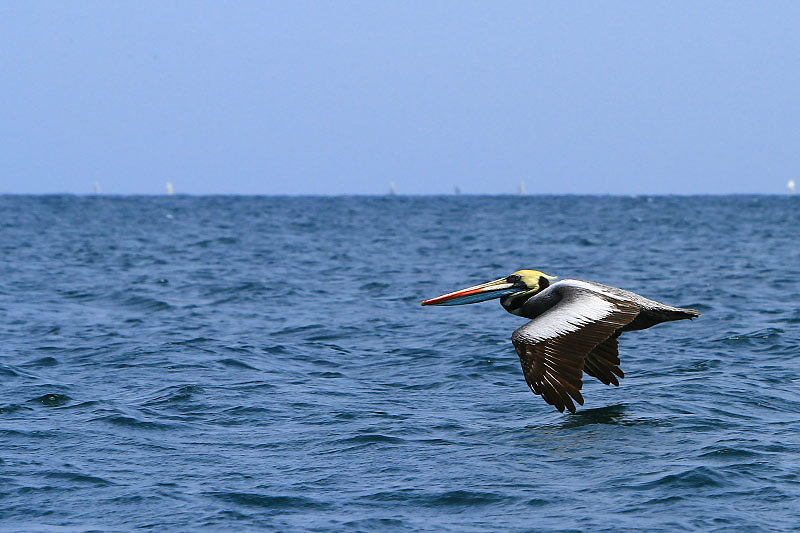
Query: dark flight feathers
[[603, 362]]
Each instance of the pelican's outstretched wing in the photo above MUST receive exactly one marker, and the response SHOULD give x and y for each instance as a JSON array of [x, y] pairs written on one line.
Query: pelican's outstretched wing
[[552, 347]]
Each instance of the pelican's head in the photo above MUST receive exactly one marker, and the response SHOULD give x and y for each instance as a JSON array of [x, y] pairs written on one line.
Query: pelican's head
[[521, 282]]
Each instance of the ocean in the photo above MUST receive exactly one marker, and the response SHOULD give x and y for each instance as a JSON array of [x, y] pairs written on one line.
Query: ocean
[[263, 363]]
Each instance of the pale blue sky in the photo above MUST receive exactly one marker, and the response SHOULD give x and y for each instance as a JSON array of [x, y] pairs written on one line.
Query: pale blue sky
[[344, 97]]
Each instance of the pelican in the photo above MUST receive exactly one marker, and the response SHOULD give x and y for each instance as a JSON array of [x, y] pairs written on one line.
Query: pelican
[[575, 326]]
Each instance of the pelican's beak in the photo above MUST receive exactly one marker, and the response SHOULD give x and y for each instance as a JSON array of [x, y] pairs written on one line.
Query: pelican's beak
[[478, 293]]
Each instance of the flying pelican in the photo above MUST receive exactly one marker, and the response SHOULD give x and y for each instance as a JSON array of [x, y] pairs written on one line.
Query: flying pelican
[[574, 328]]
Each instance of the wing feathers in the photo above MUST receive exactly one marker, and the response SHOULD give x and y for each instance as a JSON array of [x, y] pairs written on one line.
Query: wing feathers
[[603, 362], [554, 346]]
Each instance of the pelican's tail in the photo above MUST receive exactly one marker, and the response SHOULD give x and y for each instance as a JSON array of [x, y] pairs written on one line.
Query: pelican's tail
[[689, 313], [679, 313]]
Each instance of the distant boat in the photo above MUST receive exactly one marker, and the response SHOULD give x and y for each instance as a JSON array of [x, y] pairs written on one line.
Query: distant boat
[[97, 187], [521, 188], [392, 189], [457, 190], [791, 186], [170, 190]]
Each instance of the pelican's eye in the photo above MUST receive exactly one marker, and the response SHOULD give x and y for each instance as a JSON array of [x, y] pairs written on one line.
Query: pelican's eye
[[514, 279]]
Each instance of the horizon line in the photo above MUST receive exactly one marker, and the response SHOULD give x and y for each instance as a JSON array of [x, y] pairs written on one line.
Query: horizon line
[[385, 195]]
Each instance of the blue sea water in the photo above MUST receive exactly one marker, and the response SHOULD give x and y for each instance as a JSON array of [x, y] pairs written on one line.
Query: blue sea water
[[263, 363]]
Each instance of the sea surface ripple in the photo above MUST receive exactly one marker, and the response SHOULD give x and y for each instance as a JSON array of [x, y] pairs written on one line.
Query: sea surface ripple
[[251, 363]]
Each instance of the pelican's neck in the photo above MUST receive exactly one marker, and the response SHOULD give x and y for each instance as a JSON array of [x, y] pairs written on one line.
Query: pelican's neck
[[513, 303]]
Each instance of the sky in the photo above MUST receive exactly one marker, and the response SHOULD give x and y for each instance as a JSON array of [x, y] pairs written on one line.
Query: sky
[[337, 97]]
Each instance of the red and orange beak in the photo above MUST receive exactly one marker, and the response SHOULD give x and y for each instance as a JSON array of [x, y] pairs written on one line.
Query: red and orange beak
[[478, 293]]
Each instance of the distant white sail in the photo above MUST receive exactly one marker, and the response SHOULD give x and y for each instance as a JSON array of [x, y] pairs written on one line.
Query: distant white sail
[[170, 190], [97, 187], [392, 188], [791, 186], [521, 188]]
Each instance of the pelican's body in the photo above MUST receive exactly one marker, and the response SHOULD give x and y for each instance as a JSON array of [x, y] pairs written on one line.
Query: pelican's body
[[574, 328]]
